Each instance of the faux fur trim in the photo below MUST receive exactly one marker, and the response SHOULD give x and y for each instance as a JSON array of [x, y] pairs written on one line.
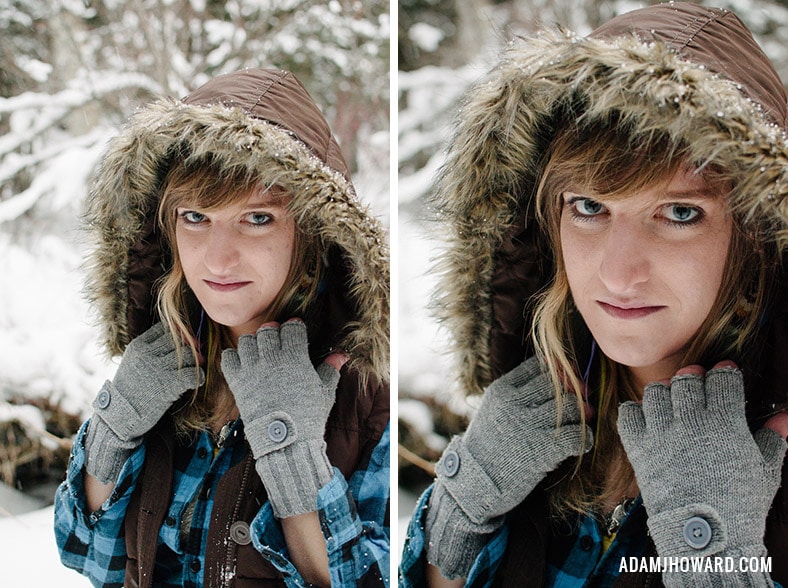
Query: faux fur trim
[[125, 192], [494, 155]]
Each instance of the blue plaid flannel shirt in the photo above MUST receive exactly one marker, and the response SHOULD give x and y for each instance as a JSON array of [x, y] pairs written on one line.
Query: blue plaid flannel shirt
[[353, 515], [573, 558]]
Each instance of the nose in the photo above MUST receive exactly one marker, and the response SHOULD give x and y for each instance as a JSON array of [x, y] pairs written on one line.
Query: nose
[[221, 250], [625, 258]]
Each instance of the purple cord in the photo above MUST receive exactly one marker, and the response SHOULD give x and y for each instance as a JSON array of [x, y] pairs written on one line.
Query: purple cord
[[199, 327], [588, 369]]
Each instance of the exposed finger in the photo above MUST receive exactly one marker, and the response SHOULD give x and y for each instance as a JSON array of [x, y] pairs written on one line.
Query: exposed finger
[[691, 370], [727, 363], [725, 390], [337, 359], [779, 424]]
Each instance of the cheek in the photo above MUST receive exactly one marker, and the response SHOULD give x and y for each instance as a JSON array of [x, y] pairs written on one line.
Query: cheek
[[275, 257], [577, 253], [188, 253], [697, 273]]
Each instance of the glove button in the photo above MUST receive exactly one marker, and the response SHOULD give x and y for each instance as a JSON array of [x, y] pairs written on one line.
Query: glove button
[[277, 431], [697, 532], [451, 463], [103, 399]]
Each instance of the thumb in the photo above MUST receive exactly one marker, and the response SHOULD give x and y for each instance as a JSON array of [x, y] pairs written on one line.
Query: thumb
[[779, 424], [328, 371], [772, 447], [336, 360]]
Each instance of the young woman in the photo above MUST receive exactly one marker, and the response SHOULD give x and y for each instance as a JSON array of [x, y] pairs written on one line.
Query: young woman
[[620, 198], [244, 439]]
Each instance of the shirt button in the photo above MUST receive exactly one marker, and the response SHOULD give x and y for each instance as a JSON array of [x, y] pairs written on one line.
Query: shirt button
[[586, 542], [451, 463], [202, 452], [103, 399], [195, 565], [697, 532], [169, 521], [240, 533], [277, 431]]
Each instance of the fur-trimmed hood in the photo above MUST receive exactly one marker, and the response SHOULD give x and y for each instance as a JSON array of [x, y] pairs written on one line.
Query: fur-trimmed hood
[[691, 71], [263, 121]]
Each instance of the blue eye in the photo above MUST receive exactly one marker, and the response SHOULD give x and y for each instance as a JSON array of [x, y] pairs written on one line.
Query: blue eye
[[259, 218], [586, 207], [682, 214], [192, 217]]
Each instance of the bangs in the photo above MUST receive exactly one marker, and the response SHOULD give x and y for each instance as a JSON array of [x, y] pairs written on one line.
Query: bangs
[[607, 161], [206, 187]]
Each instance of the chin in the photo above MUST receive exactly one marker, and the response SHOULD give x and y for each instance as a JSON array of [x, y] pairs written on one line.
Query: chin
[[225, 319], [630, 356]]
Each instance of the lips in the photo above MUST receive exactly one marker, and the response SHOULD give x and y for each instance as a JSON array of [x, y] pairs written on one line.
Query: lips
[[225, 286], [628, 311]]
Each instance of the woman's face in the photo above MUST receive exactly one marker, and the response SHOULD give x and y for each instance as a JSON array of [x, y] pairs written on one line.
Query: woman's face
[[236, 259], [644, 270]]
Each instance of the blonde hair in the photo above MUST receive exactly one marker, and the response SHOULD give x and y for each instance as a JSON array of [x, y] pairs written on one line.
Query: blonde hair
[[206, 186], [604, 159]]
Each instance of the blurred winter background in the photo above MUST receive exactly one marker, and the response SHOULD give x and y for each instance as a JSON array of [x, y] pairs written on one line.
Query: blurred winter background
[[71, 71], [445, 45]]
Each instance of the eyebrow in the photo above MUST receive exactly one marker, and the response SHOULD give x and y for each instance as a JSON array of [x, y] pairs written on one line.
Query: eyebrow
[[698, 194], [269, 197]]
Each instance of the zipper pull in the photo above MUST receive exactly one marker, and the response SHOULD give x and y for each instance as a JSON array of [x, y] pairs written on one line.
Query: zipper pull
[[224, 432]]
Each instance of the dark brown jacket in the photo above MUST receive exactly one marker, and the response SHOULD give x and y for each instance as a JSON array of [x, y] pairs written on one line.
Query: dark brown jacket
[[694, 72]]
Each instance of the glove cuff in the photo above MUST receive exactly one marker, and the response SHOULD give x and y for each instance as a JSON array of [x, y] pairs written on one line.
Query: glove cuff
[[468, 483], [453, 540], [273, 432], [294, 475], [694, 530], [105, 453], [116, 411]]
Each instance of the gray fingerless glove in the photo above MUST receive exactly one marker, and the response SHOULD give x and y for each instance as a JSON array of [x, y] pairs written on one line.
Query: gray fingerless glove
[[512, 443], [284, 404], [148, 381], [707, 485]]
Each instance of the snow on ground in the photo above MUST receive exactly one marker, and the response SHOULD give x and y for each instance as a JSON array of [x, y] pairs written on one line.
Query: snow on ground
[[29, 554]]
